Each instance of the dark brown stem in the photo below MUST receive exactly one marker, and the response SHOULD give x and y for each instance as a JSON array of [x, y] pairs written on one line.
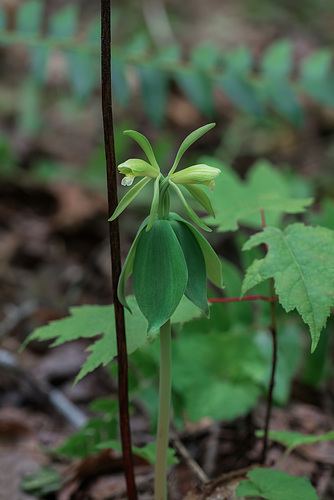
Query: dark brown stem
[[273, 331], [246, 297], [115, 246]]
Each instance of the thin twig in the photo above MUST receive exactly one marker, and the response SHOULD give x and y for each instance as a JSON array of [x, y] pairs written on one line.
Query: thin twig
[[115, 247], [190, 462], [273, 330]]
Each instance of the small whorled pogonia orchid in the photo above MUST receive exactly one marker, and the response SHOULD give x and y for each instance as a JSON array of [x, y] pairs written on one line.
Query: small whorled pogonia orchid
[[168, 258]]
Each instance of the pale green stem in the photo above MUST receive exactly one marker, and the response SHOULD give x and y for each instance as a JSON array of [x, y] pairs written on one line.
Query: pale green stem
[[164, 412]]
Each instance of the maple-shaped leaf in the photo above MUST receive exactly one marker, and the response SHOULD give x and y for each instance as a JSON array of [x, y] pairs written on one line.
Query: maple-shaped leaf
[[88, 321], [239, 202], [275, 485], [301, 261]]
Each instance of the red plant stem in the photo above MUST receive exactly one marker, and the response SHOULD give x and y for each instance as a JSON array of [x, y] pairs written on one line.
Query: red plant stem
[[273, 331], [115, 247], [246, 297]]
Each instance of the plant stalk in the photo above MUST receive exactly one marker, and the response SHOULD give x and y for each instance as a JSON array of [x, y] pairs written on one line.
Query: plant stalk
[[115, 246], [273, 330], [165, 384]]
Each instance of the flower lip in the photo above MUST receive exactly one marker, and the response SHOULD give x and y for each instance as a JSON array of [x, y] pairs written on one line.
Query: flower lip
[[136, 168], [196, 174]]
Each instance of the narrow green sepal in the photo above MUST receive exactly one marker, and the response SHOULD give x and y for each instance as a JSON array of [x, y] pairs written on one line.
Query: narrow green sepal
[[212, 262], [194, 217], [155, 203], [128, 267], [188, 141], [159, 273], [196, 290], [144, 144], [129, 196], [202, 198]]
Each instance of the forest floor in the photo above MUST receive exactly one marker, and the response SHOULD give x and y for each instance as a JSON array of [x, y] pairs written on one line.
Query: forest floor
[[54, 254]]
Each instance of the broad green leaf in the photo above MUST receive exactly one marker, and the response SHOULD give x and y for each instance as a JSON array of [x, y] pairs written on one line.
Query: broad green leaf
[[83, 72], [239, 60], [316, 76], [90, 320], [278, 59], [155, 203], [194, 217], [301, 261], [154, 85], [283, 99], [292, 439], [129, 196], [119, 81], [144, 144], [326, 215], [223, 379], [128, 267], [197, 87], [239, 202], [212, 262], [159, 274], [242, 93], [202, 198], [188, 141], [276, 485], [63, 24], [205, 56], [196, 285], [29, 19]]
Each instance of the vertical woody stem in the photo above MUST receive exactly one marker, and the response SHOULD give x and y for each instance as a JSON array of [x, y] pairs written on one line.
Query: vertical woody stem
[[115, 246], [164, 412]]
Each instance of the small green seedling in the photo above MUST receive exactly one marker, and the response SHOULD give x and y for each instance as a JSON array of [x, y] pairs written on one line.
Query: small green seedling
[[169, 258]]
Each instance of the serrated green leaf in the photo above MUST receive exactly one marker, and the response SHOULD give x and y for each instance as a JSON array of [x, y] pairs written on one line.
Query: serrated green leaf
[[188, 141], [237, 201], [196, 285], [144, 144], [301, 261], [63, 24], [91, 320], [154, 85], [129, 196], [292, 439], [194, 217], [205, 56], [212, 262], [159, 273], [29, 19], [276, 485]]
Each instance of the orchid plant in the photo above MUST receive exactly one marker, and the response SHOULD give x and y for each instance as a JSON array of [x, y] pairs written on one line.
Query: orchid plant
[[169, 258]]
